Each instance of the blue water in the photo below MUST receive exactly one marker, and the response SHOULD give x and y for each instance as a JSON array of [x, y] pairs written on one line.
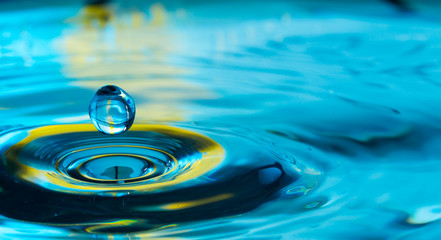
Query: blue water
[[271, 120]]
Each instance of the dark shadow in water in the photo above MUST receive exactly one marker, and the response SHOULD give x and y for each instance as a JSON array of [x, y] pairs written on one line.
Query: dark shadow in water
[[249, 188]]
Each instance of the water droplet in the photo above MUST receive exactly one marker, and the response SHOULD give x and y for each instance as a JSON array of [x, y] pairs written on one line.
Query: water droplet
[[112, 110]]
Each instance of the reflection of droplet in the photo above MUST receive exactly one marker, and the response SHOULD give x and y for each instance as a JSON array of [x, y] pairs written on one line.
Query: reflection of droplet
[[112, 110], [269, 175], [117, 172]]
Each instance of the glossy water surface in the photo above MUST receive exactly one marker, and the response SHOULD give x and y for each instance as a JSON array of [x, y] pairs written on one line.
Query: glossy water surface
[[272, 120]]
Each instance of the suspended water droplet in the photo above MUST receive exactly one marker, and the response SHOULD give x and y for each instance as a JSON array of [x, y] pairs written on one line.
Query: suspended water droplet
[[112, 110]]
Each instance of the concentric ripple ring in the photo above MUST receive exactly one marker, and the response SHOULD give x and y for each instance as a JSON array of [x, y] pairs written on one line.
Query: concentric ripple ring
[[76, 159]]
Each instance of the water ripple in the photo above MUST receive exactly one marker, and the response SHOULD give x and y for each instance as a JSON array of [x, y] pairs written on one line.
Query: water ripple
[[152, 174]]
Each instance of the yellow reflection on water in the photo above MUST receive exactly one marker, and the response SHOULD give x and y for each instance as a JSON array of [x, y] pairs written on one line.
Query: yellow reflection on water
[[96, 13], [118, 223], [131, 49], [186, 204]]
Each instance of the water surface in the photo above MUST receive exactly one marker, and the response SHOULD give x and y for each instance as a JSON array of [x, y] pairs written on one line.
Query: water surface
[[271, 120]]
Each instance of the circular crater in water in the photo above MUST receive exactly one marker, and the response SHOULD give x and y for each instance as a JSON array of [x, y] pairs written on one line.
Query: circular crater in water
[[150, 175], [112, 168]]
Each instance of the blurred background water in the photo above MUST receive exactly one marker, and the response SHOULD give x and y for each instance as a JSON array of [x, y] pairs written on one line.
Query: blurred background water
[[255, 120]]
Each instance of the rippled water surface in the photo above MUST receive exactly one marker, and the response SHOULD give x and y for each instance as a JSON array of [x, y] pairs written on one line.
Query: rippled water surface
[[271, 120]]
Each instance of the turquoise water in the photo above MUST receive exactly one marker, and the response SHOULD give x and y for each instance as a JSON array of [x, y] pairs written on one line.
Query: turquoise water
[[271, 120]]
